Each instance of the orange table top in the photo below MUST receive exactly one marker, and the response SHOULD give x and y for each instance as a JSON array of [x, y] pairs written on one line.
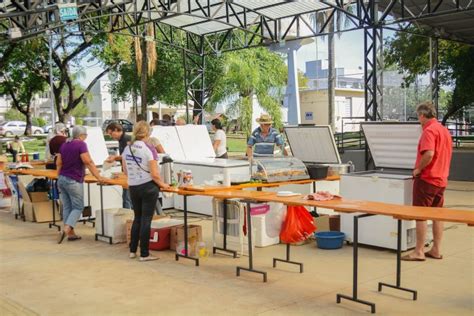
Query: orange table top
[[406, 212], [48, 173]]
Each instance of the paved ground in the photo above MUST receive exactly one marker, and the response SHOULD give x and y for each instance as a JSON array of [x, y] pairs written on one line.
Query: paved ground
[[37, 276]]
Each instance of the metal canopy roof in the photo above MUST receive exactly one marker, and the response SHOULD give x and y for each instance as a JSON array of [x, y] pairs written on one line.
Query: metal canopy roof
[[263, 20], [449, 19]]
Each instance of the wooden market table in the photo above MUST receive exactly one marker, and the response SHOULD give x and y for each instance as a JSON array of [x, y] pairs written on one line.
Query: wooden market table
[[398, 212]]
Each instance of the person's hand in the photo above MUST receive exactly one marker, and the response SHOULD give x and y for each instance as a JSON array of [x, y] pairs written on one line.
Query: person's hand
[[165, 186], [196, 119], [101, 179], [416, 173], [110, 159]]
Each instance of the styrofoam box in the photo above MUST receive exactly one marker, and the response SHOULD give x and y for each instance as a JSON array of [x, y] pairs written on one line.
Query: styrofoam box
[[260, 232], [114, 224]]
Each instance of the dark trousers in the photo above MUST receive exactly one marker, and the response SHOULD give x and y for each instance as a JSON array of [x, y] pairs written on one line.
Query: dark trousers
[[14, 153], [144, 199]]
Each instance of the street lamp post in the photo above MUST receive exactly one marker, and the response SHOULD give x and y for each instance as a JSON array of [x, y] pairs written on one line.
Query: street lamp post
[[51, 82]]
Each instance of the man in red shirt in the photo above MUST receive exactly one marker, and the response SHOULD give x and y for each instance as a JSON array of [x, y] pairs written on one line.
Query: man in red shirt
[[431, 178]]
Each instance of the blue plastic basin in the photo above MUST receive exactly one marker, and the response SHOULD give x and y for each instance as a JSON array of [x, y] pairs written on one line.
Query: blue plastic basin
[[329, 240]]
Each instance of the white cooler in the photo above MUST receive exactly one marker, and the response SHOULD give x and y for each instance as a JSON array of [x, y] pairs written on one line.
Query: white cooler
[[114, 224]]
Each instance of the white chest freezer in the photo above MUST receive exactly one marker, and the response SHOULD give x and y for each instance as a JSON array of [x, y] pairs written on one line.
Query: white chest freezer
[[313, 144], [204, 170], [393, 147]]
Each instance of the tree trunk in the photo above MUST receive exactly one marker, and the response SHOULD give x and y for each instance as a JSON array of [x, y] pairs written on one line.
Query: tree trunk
[[144, 80], [28, 130], [331, 77]]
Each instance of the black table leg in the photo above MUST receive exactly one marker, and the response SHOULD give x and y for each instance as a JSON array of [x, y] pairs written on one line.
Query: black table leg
[[20, 213], [287, 260], [399, 267], [53, 190], [355, 251], [249, 235], [186, 250], [224, 246], [102, 234], [89, 220]]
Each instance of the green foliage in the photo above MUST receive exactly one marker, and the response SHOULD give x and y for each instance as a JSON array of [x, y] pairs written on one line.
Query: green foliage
[[166, 85], [18, 78], [38, 121], [410, 54], [247, 73], [14, 115]]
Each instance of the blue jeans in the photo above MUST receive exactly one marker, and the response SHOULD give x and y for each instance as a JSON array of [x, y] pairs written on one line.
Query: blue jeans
[[126, 201], [72, 198]]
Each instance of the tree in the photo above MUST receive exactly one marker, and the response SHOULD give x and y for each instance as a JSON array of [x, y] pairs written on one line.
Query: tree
[[19, 81], [69, 51], [410, 53], [247, 73]]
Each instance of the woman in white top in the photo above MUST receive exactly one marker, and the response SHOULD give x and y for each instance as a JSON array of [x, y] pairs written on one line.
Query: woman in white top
[[220, 139], [144, 181]]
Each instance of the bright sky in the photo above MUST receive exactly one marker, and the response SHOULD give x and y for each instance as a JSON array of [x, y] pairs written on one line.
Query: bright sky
[[349, 55]]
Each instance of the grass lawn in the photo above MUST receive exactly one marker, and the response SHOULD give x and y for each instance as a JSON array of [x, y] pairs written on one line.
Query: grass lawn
[[236, 145]]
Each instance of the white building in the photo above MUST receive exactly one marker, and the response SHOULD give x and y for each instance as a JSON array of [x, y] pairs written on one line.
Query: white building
[[102, 105]]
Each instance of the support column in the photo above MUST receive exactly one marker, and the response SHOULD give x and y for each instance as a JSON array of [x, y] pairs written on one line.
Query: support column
[[373, 73], [294, 115], [434, 72], [194, 80]]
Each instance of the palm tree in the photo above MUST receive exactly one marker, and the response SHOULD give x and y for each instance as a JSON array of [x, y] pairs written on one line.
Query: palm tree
[[318, 20]]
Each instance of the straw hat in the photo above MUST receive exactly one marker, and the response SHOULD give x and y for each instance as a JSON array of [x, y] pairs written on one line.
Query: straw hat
[[265, 119]]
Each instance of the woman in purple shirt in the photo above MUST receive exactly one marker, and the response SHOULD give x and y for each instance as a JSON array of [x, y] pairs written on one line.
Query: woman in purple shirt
[[72, 159]]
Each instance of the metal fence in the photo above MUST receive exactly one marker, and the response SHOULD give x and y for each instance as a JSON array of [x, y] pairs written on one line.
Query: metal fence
[[461, 132]]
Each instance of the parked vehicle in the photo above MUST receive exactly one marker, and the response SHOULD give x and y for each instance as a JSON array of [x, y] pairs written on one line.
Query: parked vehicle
[[47, 128], [126, 124], [11, 128]]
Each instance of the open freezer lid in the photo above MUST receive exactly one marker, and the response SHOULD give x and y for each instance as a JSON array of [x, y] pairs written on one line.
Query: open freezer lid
[[392, 144], [313, 144]]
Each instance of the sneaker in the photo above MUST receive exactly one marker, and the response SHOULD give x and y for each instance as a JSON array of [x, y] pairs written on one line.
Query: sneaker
[[132, 255], [149, 258]]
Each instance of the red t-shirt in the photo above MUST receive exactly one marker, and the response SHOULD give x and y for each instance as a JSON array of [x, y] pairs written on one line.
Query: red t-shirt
[[435, 137]]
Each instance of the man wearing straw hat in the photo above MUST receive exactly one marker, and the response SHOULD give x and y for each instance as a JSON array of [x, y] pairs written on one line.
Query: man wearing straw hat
[[265, 134]]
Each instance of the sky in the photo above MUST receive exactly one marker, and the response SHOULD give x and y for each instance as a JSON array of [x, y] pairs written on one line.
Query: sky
[[349, 55]]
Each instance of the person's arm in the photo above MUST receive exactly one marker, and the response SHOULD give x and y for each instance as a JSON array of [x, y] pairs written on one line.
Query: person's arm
[[59, 162], [124, 166], [155, 175], [22, 148], [87, 161], [425, 160], [216, 144], [249, 152], [285, 152], [160, 149]]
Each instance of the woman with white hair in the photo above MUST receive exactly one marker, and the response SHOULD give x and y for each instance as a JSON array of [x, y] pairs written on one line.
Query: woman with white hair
[[71, 162], [144, 182]]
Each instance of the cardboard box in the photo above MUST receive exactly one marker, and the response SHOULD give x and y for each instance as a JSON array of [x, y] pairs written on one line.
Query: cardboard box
[[322, 223], [36, 205], [335, 223], [194, 236], [40, 212]]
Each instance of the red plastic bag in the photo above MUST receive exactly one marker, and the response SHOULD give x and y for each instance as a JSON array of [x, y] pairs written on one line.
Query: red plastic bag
[[298, 225]]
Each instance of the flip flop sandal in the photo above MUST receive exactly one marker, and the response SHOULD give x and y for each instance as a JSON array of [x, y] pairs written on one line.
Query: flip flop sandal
[[61, 237], [429, 255], [73, 238], [408, 258]]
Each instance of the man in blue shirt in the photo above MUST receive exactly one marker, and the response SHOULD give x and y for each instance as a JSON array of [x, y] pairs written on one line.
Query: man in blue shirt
[[265, 134]]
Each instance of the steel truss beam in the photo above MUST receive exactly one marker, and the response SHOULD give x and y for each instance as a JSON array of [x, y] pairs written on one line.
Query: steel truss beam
[[194, 79]]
